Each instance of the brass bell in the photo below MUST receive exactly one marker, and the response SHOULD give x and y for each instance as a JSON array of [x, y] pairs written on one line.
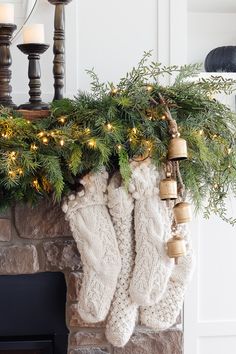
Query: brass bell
[[177, 149], [176, 247], [182, 213], [168, 189]]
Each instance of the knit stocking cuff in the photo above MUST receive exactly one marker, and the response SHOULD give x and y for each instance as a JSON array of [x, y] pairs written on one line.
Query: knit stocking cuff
[[94, 187]]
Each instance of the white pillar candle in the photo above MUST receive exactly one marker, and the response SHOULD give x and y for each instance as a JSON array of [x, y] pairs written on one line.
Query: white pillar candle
[[33, 34], [7, 13]]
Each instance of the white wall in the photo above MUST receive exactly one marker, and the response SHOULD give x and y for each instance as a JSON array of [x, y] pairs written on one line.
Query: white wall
[[207, 31], [212, 6], [210, 311], [112, 36]]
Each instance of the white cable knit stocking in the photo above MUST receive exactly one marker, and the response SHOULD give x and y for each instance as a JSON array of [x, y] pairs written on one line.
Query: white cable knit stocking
[[164, 314], [152, 265], [123, 312], [94, 234]]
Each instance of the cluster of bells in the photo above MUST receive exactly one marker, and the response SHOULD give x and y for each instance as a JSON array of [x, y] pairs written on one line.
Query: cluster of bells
[[177, 151]]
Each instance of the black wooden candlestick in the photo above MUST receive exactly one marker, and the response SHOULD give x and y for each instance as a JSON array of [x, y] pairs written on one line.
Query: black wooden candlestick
[[6, 31], [33, 51], [59, 47]]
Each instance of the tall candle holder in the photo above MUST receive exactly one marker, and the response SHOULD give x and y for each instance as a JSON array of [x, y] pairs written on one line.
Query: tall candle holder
[[34, 50], [6, 32], [59, 47]]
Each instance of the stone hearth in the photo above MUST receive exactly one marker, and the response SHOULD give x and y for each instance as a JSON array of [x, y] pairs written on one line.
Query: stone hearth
[[39, 240]]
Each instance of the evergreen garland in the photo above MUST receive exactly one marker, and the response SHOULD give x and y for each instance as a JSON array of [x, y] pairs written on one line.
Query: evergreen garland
[[113, 124]]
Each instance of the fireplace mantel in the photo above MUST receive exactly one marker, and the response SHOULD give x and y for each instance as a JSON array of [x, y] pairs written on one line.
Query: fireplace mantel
[[39, 240]]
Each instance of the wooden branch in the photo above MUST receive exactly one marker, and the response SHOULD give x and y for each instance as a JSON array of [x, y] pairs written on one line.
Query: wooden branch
[[173, 128]]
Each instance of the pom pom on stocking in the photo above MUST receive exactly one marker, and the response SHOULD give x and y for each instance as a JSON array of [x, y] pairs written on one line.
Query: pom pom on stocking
[[164, 314], [123, 313], [94, 234], [152, 265]]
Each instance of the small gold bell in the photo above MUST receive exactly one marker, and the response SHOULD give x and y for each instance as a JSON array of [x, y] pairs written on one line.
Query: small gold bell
[[177, 149], [176, 247], [182, 213], [168, 189]]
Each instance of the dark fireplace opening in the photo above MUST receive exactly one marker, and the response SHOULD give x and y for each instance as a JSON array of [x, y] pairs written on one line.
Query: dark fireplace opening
[[27, 345], [32, 314]]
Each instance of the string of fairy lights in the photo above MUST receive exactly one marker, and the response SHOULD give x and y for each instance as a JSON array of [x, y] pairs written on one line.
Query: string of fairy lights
[[46, 136], [56, 137]]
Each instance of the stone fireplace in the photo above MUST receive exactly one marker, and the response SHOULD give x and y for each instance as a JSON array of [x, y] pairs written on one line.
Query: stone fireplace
[[38, 241]]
